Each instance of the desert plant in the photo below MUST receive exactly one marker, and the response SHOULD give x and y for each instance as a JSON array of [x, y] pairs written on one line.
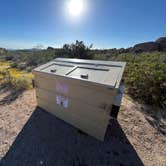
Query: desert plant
[[22, 83], [6, 77], [145, 76], [78, 50], [16, 79]]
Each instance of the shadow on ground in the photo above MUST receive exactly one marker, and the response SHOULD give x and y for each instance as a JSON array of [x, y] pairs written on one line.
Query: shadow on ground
[[156, 117], [48, 141], [10, 95]]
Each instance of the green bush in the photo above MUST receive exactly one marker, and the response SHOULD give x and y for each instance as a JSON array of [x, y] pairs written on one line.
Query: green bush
[[145, 76], [77, 50], [146, 82]]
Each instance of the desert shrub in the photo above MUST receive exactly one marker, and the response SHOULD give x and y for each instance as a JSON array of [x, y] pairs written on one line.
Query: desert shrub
[[9, 57], [6, 77], [78, 50], [14, 65], [30, 68], [22, 59], [145, 76], [16, 79], [22, 66], [22, 83], [100, 57], [146, 82]]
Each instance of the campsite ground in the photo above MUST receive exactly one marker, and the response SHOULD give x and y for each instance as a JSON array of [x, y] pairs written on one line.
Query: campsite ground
[[30, 136]]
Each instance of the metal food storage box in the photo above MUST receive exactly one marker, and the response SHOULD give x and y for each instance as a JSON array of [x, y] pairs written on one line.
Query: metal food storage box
[[84, 93]]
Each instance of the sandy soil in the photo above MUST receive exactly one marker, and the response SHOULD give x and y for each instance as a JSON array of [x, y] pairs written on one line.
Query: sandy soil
[[30, 136]]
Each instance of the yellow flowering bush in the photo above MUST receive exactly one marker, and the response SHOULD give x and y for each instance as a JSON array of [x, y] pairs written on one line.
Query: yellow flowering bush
[[20, 80]]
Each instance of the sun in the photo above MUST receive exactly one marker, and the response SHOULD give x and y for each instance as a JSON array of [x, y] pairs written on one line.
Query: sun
[[76, 7]]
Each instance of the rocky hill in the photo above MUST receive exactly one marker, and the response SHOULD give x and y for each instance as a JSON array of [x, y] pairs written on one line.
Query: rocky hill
[[158, 45], [162, 43]]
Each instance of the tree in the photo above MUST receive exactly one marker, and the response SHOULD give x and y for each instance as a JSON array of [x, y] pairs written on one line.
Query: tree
[[77, 50]]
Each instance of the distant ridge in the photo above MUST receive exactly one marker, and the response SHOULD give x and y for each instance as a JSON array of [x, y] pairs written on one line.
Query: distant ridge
[[157, 45]]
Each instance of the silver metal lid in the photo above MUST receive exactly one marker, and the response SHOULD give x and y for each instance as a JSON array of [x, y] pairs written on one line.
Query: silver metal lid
[[102, 72]]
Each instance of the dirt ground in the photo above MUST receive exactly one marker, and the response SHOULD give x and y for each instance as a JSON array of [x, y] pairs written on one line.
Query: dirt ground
[[30, 136]]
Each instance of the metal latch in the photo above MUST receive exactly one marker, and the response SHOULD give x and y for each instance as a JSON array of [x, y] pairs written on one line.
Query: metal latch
[[84, 76]]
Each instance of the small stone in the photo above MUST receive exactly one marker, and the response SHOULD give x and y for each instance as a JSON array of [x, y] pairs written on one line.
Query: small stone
[[41, 162]]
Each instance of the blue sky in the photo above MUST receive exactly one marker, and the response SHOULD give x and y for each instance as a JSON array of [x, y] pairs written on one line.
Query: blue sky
[[105, 23]]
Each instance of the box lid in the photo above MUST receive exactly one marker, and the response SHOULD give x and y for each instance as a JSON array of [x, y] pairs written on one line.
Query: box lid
[[101, 72]]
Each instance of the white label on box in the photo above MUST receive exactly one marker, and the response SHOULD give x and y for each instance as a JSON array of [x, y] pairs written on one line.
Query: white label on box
[[61, 87], [62, 101]]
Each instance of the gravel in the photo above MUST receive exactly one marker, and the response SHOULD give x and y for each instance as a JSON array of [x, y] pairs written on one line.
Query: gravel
[[30, 136]]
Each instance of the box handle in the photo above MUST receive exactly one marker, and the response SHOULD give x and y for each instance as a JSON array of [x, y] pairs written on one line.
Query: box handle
[[84, 76], [53, 70]]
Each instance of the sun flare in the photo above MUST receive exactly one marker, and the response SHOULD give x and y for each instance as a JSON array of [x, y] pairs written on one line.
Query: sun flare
[[76, 7]]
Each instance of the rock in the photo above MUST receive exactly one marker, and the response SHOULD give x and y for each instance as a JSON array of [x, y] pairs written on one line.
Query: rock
[[161, 40], [158, 45], [2, 51], [162, 43], [145, 47]]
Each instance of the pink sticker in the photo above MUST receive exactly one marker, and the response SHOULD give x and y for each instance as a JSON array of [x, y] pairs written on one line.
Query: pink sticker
[[61, 87], [62, 101]]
